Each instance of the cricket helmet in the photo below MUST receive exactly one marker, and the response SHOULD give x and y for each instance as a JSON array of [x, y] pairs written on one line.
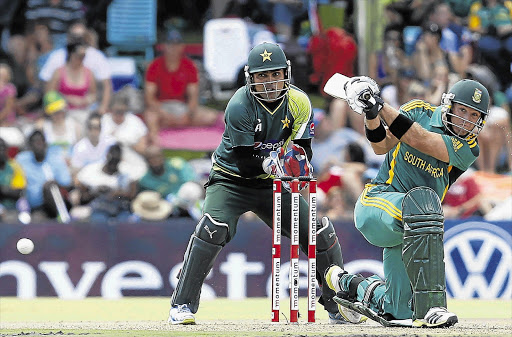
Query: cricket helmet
[[471, 94], [265, 57]]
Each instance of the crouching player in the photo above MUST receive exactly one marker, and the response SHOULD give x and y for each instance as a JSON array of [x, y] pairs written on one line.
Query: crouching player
[[262, 118], [427, 148]]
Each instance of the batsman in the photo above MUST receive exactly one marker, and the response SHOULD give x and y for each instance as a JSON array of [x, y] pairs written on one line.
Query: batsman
[[263, 118], [427, 148]]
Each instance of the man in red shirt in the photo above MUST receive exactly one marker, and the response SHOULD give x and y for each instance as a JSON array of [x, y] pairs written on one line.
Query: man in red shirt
[[172, 91]]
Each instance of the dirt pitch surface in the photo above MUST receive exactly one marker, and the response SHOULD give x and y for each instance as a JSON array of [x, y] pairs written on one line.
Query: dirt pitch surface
[[466, 327]]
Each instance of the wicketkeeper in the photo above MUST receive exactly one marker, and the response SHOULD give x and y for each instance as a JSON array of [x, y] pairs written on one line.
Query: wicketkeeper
[[262, 119], [427, 148]]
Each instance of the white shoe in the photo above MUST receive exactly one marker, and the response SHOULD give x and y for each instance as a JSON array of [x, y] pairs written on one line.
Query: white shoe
[[181, 314], [332, 277], [344, 315], [437, 317]]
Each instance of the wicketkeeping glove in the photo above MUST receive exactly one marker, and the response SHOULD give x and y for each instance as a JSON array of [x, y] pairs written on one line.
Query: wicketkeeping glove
[[363, 96], [273, 164], [296, 164]]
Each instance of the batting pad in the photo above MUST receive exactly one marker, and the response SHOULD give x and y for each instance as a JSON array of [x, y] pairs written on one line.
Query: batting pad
[[422, 251]]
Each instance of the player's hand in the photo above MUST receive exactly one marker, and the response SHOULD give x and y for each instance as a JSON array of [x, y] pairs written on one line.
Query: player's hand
[[363, 96], [296, 164], [273, 163]]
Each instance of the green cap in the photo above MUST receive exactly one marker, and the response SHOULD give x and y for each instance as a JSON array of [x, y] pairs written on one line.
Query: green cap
[[53, 102], [472, 94], [265, 57]]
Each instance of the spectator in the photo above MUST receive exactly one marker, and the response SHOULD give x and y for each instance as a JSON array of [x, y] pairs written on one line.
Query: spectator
[[58, 13], [44, 166], [396, 94], [495, 141], [27, 87], [336, 206], [129, 131], [59, 128], [493, 21], [441, 81], [389, 60], [7, 97], [75, 82], [39, 46], [169, 177], [428, 51], [12, 184], [149, 205], [107, 187], [91, 148], [416, 90], [346, 174], [172, 91], [455, 40], [94, 59], [464, 199]]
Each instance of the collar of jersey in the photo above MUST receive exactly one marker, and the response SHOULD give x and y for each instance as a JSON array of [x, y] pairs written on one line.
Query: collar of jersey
[[277, 107], [436, 119]]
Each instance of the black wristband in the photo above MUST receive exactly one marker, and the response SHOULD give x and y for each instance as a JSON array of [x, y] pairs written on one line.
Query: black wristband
[[400, 126], [375, 135]]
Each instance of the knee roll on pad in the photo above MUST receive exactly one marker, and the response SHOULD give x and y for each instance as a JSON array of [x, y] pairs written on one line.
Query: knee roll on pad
[[212, 231], [199, 258], [423, 252], [325, 235]]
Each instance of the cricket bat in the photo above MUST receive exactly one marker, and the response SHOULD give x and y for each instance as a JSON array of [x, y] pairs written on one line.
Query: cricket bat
[[335, 86]]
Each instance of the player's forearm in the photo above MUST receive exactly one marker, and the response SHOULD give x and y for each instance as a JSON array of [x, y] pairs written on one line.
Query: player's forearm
[[379, 145], [413, 134], [249, 162]]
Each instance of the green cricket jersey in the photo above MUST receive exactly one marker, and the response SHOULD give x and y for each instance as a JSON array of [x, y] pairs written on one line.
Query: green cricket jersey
[[405, 167], [251, 123]]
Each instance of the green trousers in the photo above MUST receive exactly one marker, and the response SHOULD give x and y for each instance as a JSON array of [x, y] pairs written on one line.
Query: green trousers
[[226, 200], [378, 217]]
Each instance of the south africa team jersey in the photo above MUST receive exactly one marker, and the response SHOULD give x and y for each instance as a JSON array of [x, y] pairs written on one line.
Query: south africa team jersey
[[251, 123], [405, 167]]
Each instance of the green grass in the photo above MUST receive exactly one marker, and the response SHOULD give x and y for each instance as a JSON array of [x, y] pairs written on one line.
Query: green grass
[[49, 309], [153, 311]]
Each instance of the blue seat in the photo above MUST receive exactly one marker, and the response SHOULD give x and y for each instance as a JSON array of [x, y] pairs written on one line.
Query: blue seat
[[131, 27]]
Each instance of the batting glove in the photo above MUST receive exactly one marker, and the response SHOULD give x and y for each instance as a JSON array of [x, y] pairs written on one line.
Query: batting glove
[[363, 96]]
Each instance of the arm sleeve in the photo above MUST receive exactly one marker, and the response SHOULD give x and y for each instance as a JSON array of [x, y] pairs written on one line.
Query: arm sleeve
[[239, 125], [462, 154], [248, 161]]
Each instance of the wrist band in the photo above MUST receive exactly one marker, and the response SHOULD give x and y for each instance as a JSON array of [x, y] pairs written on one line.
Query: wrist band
[[375, 135], [400, 126]]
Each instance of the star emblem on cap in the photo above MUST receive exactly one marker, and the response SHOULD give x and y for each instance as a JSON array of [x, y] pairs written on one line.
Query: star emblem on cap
[[266, 56], [286, 122]]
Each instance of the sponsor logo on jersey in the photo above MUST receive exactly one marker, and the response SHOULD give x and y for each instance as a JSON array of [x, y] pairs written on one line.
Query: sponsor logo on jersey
[[312, 129], [268, 146], [478, 258], [456, 144]]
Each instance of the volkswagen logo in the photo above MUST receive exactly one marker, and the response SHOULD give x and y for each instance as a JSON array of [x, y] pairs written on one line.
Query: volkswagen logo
[[478, 258]]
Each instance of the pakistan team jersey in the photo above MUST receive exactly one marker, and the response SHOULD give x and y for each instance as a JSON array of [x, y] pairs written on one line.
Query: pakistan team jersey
[[250, 123], [405, 167]]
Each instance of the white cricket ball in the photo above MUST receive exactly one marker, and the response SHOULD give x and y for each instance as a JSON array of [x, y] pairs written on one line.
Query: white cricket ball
[[25, 246]]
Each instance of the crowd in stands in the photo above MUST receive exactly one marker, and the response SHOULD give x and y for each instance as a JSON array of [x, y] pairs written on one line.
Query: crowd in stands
[[74, 147]]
